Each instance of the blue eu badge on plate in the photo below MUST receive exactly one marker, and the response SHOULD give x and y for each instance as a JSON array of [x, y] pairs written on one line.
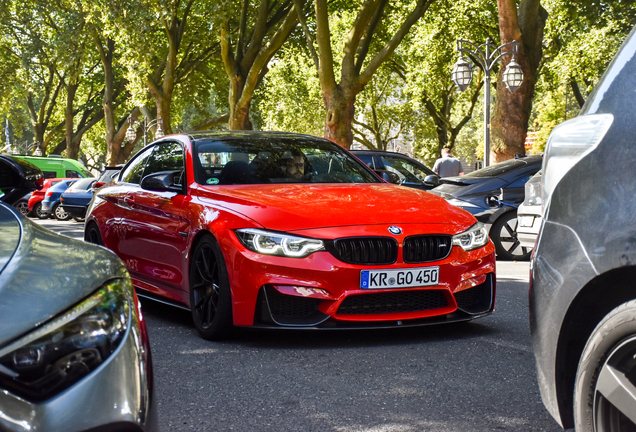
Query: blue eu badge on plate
[[364, 279]]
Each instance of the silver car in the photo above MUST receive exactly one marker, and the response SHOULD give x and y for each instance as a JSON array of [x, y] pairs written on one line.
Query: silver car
[[74, 352]]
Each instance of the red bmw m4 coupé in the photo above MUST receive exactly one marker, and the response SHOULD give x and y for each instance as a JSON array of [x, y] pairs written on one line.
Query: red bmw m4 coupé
[[271, 229]]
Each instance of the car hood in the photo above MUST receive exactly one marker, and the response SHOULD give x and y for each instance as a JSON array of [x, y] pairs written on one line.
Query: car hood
[[43, 274], [290, 207]]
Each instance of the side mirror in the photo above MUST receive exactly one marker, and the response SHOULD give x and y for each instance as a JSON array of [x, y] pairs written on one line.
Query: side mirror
[[389, 176], [17, 178], [163, 181], [431, 180]]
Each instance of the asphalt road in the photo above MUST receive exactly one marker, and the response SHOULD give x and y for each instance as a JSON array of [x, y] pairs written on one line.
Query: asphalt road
[[476, 376]]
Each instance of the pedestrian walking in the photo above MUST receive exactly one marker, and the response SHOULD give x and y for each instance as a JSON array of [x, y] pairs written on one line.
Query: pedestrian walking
[[448, 165]]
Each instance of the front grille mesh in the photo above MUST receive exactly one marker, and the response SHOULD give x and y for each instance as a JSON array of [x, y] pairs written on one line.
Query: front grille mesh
[[426, 248], [365, 250], [393, 302]]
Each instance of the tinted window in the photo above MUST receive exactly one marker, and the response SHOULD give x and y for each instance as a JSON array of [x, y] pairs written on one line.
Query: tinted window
[[367, 159], [498, 169], [49, 174], [407, 171], [135, 168], [166, 156], [83, 184], [73, 174], [276, 160]]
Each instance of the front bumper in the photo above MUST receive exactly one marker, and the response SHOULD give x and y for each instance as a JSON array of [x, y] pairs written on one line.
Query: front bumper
[[118, 395], [320, 291]]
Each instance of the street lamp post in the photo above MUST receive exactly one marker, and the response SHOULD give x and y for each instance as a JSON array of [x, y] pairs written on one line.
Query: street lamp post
[[486, 55], [131, 132]]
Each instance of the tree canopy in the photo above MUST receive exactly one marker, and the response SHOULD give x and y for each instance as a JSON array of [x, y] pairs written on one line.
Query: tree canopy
[[372, 73]]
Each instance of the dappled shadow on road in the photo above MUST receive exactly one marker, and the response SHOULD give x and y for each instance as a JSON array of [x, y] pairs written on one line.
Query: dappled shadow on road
[[312, 338]]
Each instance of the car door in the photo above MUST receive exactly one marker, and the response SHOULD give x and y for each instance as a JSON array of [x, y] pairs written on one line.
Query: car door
[[156, 232], [116, 215]]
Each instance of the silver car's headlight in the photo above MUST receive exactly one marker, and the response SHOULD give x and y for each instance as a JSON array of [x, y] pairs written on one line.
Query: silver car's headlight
[[62, 351], [272, 243], [568, 143], [473, 238]]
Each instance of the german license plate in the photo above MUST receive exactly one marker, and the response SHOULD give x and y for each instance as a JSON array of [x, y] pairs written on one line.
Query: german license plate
[[526, 221], [401, 278]]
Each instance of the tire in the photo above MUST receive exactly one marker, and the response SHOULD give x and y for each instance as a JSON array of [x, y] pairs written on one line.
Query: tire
[[60, 214], [503, 234], [38, 212], [92, 234], [23, 207], [210, 296], [605, 386]]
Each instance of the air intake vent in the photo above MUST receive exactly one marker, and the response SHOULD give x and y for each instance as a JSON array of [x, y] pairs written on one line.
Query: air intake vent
[[393, 302], [365, 250], [426, 248]]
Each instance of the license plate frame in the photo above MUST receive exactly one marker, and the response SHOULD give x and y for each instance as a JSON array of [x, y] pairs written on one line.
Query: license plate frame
[[399, 278]]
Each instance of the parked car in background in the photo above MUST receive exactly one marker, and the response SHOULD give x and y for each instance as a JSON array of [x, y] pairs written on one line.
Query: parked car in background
[[57, 166], [492, 194], [280, 230], [398, 168], [35, 201], [51, 203], [529, 213], [582, 289], [74, 351], [76, 198], [107, 175]]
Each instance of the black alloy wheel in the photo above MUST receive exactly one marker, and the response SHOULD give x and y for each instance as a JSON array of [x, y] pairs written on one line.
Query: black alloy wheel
[[92, 234], [503, 234], [605, 386], [38, 212], [60, 214], [210, 297], [23, 207]]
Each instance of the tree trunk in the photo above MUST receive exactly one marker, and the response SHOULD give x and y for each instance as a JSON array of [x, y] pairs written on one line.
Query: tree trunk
[[512, 111], [340, 113], [72, 151], [239, 114]]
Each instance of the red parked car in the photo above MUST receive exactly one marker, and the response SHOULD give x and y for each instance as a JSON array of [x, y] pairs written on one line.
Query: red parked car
[[270, 229], [35, 202]]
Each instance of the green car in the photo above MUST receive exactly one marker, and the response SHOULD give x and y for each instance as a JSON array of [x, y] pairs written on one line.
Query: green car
[[58, 167]]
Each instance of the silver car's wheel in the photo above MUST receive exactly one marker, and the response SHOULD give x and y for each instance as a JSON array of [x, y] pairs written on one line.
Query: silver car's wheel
[[605, 387], [60, 214]]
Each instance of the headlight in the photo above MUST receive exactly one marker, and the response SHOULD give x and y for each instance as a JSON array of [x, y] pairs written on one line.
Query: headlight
[[474, 237], [64, 350], [271, 243], [463, 204], [569, 142]]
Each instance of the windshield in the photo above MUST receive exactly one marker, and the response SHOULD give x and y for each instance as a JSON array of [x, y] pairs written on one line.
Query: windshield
[[497, 169], [276, 160]]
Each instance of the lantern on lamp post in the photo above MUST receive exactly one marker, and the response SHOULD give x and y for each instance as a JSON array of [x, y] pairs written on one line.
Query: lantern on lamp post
[[486, 56], [131, 132]]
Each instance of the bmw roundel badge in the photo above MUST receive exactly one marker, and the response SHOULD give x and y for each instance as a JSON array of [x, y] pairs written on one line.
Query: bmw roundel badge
[[395, 230]]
